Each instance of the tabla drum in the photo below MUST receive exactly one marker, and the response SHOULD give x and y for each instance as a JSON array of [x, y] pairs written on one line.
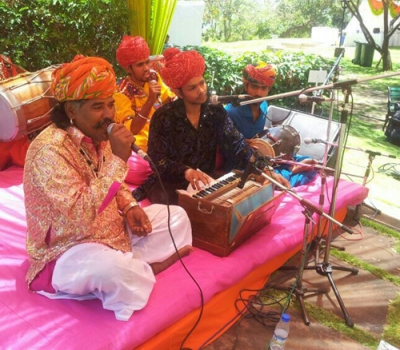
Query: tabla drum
[[25, 104], [281, 142]]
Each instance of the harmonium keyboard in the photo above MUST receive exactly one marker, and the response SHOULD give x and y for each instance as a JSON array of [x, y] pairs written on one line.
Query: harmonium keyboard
[[223, 216]]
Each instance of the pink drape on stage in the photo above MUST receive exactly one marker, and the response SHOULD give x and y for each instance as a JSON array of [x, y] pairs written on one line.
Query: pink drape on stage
[[28, 320]]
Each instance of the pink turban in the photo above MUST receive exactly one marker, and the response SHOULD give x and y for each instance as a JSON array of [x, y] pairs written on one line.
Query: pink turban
[[180, 67], [84, 78], [261, 73], [131, 50]]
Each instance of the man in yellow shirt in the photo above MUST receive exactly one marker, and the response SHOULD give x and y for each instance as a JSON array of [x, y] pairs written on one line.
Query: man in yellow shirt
[[143, 86]]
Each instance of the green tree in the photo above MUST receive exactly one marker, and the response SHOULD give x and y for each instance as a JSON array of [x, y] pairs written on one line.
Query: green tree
[[295, 19], [230, 20], [37, 34], [389, 28]]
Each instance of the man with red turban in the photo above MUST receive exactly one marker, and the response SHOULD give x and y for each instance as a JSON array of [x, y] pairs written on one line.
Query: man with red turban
[[185, 134], [142, 85], [144, 93], [87, 238], [251, 120]]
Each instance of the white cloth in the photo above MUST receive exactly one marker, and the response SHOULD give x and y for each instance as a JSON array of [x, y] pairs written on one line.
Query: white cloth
[[122, 281]]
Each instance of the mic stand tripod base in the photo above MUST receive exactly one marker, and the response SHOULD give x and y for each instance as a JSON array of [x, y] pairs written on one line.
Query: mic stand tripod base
[[357, 212], [324, 269]]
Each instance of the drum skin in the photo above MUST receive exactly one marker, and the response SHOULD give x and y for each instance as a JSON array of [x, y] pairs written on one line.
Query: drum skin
[[281, 141], [25, 104]]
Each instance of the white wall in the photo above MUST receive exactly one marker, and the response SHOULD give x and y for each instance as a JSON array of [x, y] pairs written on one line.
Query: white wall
[[186, 24], [354, 33], [325, 35]]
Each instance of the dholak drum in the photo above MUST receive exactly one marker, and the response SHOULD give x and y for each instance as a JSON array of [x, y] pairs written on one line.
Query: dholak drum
[[281, 142], [25, 104]]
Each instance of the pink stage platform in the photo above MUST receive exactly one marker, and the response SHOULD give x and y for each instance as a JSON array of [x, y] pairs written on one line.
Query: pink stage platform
[[31, 321]]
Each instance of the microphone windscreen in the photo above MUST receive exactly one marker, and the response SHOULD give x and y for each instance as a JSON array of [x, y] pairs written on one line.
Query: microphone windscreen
[[303, 98], [109, 128], [307, 140]]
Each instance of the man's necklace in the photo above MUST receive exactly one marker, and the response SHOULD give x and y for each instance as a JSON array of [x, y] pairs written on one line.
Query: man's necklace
[[94, 169]]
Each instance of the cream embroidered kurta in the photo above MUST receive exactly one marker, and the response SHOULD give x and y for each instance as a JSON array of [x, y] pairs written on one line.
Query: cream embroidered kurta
[[67, 202]]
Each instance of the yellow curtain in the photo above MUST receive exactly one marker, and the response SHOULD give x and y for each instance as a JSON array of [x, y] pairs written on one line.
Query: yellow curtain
[[151, 20]]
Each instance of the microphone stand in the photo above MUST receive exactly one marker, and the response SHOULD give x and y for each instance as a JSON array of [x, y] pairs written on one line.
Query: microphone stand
[[309, 210], [371, 157], [324, 268], [337, 85]]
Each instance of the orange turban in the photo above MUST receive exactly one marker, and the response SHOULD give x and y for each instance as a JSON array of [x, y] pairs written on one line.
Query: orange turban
[[84, 78], [180, 67], [131, 50], [261, 73]]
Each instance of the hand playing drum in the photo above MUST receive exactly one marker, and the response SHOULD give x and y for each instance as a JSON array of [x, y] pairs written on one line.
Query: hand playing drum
[[304, 165]]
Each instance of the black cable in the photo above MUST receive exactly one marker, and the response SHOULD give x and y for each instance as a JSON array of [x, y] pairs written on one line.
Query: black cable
[[248, 308], [179, 256], [390, 170]]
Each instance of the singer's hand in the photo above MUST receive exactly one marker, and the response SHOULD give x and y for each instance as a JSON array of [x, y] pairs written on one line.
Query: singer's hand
[[121, 140], [138, 221], [154, 91], [196, 178], [300, 168]]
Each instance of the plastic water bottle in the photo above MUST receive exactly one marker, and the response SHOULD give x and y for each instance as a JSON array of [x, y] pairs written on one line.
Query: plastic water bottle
[[281, 333]]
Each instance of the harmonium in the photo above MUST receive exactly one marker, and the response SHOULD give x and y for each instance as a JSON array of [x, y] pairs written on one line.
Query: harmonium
[[223, 215]]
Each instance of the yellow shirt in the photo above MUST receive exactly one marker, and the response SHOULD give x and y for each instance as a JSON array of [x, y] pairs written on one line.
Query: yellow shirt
[[138, 96]]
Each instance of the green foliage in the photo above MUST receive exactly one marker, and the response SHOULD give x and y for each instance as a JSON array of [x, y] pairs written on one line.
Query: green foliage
[[224, 71], [233, 20], [392, 330], [37, 34]]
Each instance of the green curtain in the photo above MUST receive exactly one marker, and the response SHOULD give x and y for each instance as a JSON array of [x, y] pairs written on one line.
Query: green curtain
[[151, 20]]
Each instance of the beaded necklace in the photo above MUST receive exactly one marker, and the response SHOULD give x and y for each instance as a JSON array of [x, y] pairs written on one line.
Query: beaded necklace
[[95, 170]]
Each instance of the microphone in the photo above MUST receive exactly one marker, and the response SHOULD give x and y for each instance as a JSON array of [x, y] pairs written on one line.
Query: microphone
[[214, 99], [151, 82], [249, 169], [134, 147], [309, 140], [317, 99]]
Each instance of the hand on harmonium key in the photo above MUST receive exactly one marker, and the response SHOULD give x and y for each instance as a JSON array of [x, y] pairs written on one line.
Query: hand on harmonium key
[[197, 179]]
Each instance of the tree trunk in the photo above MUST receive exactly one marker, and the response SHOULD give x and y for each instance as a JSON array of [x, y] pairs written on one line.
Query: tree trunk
[[384, 49]]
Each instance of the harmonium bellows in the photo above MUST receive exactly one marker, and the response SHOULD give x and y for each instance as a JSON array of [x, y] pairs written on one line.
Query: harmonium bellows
[[223, 216]]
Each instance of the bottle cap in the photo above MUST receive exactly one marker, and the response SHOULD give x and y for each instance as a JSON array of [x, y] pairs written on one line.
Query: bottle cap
[[285, 317]]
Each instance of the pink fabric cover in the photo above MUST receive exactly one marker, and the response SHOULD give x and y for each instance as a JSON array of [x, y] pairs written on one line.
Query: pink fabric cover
[[28, 320], [139, 170]]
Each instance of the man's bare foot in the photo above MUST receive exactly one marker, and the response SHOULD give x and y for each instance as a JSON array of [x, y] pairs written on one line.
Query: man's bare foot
[[163, 265]]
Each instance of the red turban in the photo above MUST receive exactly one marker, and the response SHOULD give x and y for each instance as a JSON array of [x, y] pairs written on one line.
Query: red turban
[[84, 78], [261, 73], [131, 50], [180, 67]]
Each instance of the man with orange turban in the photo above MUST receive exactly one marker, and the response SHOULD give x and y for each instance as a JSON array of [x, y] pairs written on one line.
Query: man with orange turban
[[87, 238], [252, 121], [185, 134]]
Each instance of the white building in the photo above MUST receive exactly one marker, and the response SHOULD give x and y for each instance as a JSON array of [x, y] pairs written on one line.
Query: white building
[[374, 24]]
